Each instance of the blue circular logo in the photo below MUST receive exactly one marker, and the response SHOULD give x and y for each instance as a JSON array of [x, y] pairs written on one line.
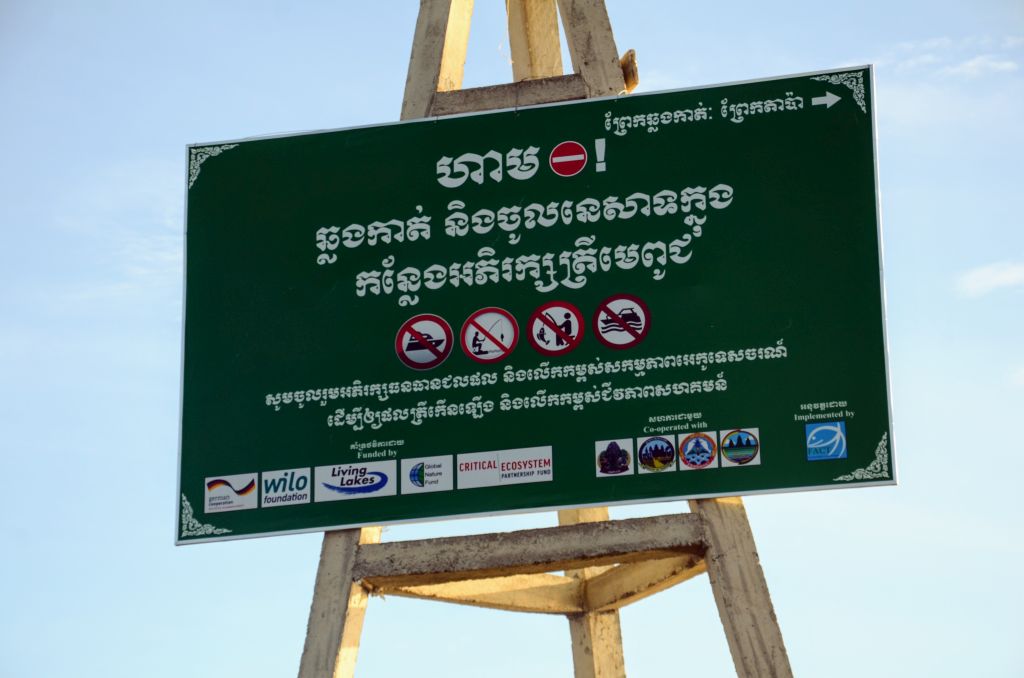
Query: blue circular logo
[[740, 447], [417, 475], [657, 454], [697, 450]]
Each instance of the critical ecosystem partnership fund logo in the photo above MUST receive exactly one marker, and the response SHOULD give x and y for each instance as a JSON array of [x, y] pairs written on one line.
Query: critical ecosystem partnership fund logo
[[826, 440]]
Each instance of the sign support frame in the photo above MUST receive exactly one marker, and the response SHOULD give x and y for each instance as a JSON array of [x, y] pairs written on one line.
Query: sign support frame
[[607, 564]]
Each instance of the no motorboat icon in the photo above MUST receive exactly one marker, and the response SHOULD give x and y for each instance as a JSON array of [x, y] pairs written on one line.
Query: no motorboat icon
[[424, 341]]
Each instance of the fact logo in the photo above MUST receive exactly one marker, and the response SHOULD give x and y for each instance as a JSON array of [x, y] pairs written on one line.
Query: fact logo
[[826, 440], [355, 481], [230, 493]]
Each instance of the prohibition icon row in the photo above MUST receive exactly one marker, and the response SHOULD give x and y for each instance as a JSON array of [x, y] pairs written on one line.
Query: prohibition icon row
[[490, 334]]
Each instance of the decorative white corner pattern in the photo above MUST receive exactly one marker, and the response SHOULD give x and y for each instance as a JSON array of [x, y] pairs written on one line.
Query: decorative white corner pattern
[[190, 527], [879, 468], [855, 81], [200, 155]]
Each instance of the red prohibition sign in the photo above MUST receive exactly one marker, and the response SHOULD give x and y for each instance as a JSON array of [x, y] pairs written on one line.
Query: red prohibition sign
[[489, 335], [568, 158], [621, 321], [555, 328], [424, 341]]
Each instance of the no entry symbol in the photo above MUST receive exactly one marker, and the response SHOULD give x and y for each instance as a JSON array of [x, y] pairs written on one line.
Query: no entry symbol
[[424, 341], [556, 328], [489, 335], [621, 321], [568, 158]]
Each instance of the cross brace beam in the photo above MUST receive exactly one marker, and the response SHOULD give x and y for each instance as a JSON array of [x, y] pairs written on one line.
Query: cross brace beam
[[567, 547]]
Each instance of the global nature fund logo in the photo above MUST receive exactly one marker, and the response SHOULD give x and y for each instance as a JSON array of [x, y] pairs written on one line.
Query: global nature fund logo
[[427, 474], [418, 475], [284, 488], [230, 493], [355, 481], [826, 440]]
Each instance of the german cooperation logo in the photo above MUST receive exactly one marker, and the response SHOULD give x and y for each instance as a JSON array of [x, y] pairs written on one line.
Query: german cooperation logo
[[826, 440], [230, 493]]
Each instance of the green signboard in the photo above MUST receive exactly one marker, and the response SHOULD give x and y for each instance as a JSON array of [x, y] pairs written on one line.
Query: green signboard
[[619, 300]]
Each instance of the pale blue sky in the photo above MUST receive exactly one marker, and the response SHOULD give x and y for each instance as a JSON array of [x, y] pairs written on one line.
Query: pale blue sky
[[99, 100]]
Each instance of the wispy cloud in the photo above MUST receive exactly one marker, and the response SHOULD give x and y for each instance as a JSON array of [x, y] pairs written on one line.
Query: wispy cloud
[[927, 45], [986, 279], [923, 85], [983, 64], [966, 57], [918, 61], [129, 216]]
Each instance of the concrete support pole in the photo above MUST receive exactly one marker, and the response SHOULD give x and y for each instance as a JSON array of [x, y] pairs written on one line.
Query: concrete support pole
[[741, 592], [596, 636]]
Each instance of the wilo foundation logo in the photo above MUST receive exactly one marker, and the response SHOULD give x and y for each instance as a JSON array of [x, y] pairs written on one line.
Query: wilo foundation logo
[[283, 488]]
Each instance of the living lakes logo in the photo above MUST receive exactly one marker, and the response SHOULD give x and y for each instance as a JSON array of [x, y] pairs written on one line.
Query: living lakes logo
[[354, 481]]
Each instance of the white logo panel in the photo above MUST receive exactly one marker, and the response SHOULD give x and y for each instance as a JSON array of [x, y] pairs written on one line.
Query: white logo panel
[[284, 488], [505, 467], [355, 481], [427, 474]]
